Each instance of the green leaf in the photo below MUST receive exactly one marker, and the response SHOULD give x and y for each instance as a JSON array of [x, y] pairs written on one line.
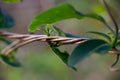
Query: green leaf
[[100, 18], [53, 30], [52, 15], [83, 50], [62, 55], [107, 37], [57, 13], [113, 36], [12, 1], [118, 44], [96, 16], [10, 60], [6, 21], [103, 49], [75, 36]]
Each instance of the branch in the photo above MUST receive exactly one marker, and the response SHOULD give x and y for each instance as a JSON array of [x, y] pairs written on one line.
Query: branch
[[23, 39]]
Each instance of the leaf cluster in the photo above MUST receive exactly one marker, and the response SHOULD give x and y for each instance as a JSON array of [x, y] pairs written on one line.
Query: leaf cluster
[[83, 49], [60, 12]]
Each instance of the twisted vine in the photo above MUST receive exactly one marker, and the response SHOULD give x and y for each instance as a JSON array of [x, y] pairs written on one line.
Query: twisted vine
[[24, 39]]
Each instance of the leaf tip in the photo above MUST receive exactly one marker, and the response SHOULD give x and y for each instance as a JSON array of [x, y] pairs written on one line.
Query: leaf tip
[[9, 61], [72, 66]]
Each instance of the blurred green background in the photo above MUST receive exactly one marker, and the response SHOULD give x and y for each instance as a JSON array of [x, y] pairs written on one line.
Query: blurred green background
[[39, 62]]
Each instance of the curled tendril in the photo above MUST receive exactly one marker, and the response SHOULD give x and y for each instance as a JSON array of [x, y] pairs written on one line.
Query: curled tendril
[[114, 64]]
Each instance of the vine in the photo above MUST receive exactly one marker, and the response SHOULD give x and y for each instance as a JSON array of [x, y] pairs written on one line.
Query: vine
[[55, 37]]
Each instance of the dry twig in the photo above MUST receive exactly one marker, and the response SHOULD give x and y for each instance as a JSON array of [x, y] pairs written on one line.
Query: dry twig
[[23, 39]]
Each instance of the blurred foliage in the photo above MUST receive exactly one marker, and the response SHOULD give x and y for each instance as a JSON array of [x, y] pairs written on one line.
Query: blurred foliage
[[12, 1], [10, 59], [45, 66], [6, 21]]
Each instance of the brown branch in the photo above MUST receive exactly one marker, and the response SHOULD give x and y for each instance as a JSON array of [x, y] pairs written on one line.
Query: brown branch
[[28, 38], [114, 51], [23, 39]]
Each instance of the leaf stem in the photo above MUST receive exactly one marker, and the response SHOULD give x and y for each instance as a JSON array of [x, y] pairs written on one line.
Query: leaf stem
[[109, 28], [115, 23]]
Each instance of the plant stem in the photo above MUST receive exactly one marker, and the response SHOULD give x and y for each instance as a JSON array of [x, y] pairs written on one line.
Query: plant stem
[[115, 23], [110, 28]]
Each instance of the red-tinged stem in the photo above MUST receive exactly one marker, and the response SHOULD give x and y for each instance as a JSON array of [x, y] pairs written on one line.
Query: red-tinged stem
[[115, 23], [115, 62]]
